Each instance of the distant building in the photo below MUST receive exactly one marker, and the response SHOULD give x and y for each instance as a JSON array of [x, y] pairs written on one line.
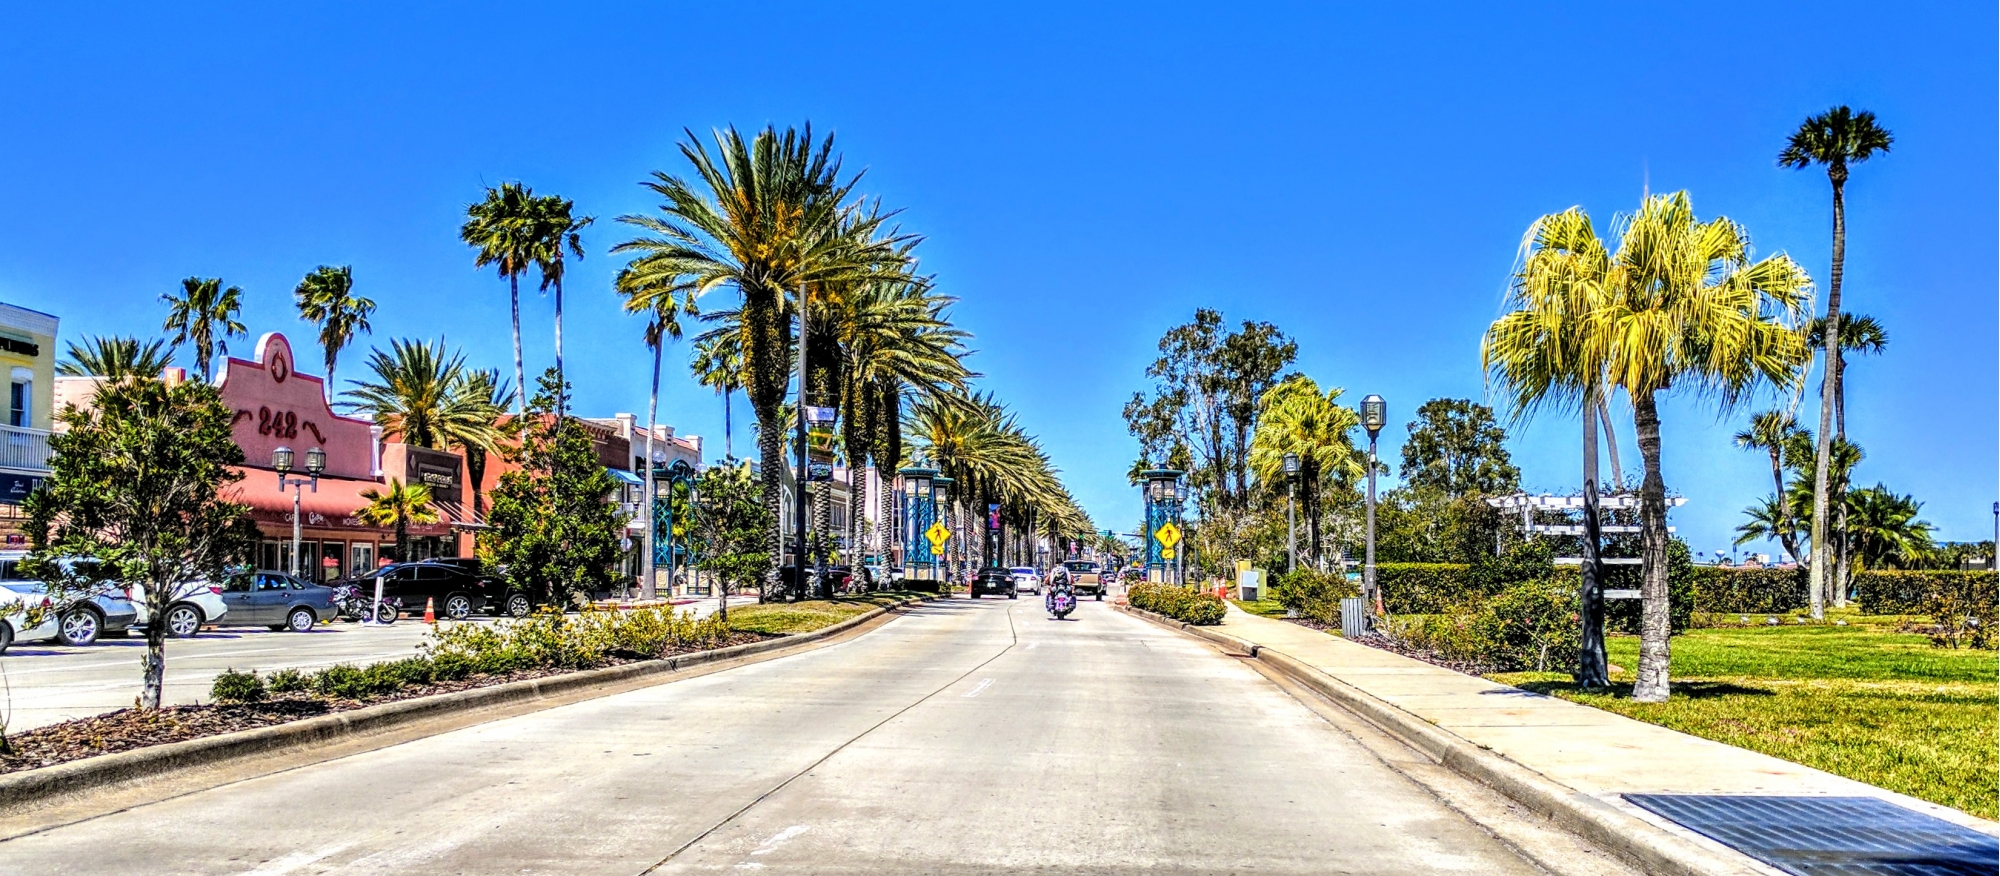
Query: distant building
[[28, 353]]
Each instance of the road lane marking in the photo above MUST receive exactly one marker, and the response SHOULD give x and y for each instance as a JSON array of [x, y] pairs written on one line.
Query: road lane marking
[[296, 860], [982, 685], [782, 837]]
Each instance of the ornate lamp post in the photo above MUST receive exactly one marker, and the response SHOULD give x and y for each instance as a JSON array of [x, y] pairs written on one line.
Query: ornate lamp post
[[281, 460], [1291, 513], [663, 518], [919, 510], [941, 501], [1374, 413], [1163, 507]]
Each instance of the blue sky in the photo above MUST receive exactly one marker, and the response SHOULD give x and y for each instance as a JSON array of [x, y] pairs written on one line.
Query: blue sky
[[1086, 178]]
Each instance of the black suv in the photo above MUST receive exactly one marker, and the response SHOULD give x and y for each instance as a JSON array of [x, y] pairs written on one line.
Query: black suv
[[457, 586], [995, 580]]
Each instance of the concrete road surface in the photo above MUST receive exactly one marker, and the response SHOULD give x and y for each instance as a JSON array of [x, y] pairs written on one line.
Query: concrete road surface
[[966, 737]]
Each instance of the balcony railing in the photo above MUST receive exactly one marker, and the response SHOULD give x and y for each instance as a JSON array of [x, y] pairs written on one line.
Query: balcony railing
[[24, 448]]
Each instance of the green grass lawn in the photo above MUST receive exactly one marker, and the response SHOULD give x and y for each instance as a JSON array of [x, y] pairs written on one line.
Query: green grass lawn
[[1859, 701], [1262, 607], [792, 618]]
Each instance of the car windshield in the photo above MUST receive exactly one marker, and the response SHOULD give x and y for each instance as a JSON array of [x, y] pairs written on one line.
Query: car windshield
[[1081, 567]]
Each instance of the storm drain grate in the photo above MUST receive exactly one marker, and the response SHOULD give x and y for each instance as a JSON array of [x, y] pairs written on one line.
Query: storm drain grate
[[1831, 836]]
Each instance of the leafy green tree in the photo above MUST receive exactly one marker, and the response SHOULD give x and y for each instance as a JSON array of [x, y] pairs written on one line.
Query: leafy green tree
[[115, 357], [138, 485], [1833, 139], [1208, 387], [326, 299], [555, 528], [502, 231], [204, 316], [1457, 449], [730, 524], [398, 506]]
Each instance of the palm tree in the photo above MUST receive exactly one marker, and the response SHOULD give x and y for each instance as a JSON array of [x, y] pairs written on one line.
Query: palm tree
[[427, 397], [326, 298], [400, 505], [204, 315], [1883, 529], [718, 363], [477, 432], [1690, 310], [553, 230], [770, 217], [116, 357], [1859, 333], [1769, 520], [662, 326], [1835, 138], [502, 230], [1769, 431], [1297, 417]]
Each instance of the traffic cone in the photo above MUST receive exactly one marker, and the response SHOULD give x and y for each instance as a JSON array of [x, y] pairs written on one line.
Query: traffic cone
[[430, 610]]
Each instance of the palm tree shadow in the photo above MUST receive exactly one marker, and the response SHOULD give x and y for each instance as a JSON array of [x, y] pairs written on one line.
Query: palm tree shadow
[[1693, 690]]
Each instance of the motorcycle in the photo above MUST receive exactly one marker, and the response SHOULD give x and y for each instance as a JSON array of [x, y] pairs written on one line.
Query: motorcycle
[[1061, 600], [355, 605]]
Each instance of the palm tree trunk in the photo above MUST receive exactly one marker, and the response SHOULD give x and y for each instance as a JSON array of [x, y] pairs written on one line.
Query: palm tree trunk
[[1654, 653], [1829, 399], [402, 537], [1785, 535], [765, 371], [1611, 445], [728, 439], [649, 587]]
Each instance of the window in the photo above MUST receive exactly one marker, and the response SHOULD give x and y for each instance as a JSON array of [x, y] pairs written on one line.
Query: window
[[20, 404]]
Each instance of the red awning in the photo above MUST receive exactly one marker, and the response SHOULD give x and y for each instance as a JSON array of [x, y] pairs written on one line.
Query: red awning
[[331, 506]]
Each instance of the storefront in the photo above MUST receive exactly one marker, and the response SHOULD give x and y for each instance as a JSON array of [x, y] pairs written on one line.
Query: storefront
[[275, 406]]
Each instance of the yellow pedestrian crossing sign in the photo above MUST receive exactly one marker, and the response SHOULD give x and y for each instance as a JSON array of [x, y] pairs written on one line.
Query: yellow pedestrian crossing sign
[[1169, 535], [938, 535]]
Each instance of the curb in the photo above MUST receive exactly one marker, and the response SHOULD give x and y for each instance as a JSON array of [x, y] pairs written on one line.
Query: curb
[[1638, 841], [21, 789]]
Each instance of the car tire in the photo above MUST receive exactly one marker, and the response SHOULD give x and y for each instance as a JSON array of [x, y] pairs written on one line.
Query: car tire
[[183, 620], [6, 636], [517, 605], [458, 606], [300, 620], [79, 626], [1100, 594]]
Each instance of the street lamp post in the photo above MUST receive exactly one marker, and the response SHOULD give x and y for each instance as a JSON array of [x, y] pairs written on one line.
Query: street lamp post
[[1374, 413], [1291, 513], [281, 460], [1163, 496], [941, 500], [919, 509]]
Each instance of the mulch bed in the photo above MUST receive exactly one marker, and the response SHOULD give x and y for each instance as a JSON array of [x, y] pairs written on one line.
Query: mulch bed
[[1398, 646], [127, 729]]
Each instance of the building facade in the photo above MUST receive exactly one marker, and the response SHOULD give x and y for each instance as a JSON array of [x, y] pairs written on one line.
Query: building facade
[[28, 354]]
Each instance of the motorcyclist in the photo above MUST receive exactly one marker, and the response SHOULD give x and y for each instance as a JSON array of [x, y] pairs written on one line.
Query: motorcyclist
[[1059, 583]]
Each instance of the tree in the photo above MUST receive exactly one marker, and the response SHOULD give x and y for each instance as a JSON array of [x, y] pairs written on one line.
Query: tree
[[1207, 392], [326, 299], [718, 364], [731, 525], [554, 526], [205, 316], [554, 231], [1770, 431], [1690, 311], [116, 357], [1883, 530], [1457, 449], [138, 486], [399, 506], [1835, 139], [1297, 417], [501, 229], [425, 395], [770, 216]]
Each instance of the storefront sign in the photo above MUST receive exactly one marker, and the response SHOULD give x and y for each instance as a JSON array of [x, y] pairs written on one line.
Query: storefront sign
[[14, 488]]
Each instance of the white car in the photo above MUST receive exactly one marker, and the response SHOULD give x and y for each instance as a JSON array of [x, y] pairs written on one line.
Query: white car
[[14, 608], [198, 603], [1026, 579]]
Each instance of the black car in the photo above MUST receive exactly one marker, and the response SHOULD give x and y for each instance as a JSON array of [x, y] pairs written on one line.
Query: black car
[[456, 587], [994, 580]]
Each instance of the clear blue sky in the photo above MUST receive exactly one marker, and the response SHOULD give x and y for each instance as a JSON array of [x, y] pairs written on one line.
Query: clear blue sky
[[1086, 179]]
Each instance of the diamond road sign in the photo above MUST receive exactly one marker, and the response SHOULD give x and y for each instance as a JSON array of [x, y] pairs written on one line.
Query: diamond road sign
[[938, 535], [1169, 535]]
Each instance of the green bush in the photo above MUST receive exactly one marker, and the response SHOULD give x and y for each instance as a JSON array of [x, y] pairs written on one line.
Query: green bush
[[1185, 604], [1314, 594], [288, 681], [1748, 591], [237, 687], [1528, 625], [1898, 592], [1423, 588]]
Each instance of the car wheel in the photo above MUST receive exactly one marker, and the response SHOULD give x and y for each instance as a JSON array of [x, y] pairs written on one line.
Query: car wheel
[[79, 626], [518, 605], [6, 636], [300, 620], [458, 606], [183, 621]]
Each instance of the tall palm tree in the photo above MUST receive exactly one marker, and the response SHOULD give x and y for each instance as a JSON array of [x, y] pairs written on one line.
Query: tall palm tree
[[116, 357], [425, 395], [767, 216], [555, 231], [501, 228], [400, 505], [481, 399], [1769, 431], [718, 363], [204, 315], [326, 298], [662, 326], [1834, 139], [1859, 334], [1296, 416], [1690, 310]]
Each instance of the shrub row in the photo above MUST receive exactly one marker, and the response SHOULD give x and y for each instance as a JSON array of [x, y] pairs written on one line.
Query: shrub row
[[1527, 625], [1314, 594], [545, 640], [1185, 604]]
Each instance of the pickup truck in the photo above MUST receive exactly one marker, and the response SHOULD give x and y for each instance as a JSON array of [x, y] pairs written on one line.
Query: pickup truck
[[1086, 576]]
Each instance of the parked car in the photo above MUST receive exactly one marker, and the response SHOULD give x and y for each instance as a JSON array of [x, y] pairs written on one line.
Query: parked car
[[1027, 580], [1085, 576], [456, 588], [277, 600], [196, 604], [15, 623], [81, 620]]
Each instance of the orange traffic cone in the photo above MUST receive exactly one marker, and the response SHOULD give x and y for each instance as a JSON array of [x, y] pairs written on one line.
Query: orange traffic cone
[[430, 610]]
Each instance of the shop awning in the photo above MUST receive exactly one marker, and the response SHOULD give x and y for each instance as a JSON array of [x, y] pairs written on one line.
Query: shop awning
[[332, 505], [627, 477]]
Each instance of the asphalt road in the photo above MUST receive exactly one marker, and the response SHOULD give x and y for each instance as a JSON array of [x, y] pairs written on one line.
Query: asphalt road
[[966, 737]]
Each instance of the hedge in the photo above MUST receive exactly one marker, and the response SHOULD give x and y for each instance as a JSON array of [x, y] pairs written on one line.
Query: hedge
[[1314, 594], [1896, 592], [1185, 604]]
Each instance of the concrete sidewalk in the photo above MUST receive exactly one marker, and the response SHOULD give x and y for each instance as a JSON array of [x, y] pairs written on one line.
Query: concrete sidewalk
[[1588, 750]]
